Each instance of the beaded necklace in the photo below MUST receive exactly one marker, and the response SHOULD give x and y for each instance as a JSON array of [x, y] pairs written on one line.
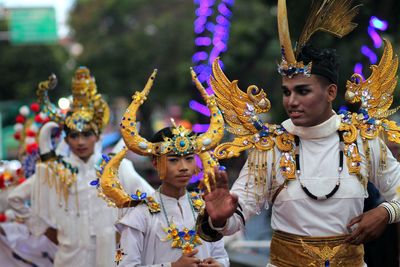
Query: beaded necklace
[[184, 239], [340, 168]]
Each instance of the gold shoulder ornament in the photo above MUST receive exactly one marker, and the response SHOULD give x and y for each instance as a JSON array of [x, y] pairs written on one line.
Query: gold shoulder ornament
[[375, 95]]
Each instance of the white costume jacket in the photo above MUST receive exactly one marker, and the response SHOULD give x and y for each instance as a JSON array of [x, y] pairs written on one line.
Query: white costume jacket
[[296, 213], [142, 234]]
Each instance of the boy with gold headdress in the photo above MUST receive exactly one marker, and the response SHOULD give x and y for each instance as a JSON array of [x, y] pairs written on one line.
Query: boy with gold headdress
[[66, 207], [160, 231], [314, 167]]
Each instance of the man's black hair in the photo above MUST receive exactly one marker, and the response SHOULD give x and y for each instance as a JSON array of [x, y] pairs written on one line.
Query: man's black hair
[[325, 62]]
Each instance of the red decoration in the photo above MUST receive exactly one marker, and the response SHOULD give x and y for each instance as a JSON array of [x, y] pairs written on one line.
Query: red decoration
[[30, 133], [17, 136], [32, 148], [38, 119], [2, 185], [35, 107], [20, 119], [3, 217], [21, 180]]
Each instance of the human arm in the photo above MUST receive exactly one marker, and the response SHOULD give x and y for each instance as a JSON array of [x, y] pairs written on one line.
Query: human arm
[[19, 196], [44, 201], [243, 196], [386, 178]]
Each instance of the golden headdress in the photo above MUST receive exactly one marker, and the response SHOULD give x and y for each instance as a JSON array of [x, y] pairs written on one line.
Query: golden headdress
[[88, 111], [332, 16], [181, 143]]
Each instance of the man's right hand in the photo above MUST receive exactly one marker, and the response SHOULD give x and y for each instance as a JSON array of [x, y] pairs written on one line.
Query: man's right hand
[[220, 203], [187, 260]]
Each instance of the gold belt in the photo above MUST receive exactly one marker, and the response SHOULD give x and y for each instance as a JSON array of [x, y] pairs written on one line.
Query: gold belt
[[288, 250]]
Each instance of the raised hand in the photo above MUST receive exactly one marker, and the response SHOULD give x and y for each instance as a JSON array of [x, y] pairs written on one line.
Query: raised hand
[[187, 260], [220, 203]]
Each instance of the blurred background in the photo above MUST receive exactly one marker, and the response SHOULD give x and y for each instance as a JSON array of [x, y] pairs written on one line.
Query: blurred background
[[122, 41]]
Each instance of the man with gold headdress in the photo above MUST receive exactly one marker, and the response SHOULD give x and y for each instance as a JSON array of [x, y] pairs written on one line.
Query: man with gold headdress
[[66, 208], [314, 167]]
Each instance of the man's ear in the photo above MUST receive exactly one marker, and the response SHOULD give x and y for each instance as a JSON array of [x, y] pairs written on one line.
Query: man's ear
[[332, 92]]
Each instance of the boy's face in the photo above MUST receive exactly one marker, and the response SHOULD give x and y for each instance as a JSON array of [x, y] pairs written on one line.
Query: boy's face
[[82, 143], [308, 100], [179, 170]]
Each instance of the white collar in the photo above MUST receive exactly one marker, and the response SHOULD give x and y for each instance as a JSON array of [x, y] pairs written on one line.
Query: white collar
[[322, 130]]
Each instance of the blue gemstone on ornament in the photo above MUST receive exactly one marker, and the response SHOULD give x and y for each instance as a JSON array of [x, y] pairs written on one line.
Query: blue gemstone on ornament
[[143, 196], [134, 197], [94, 182], [105, 157], [327, 263], [192, 232], [181, 234], [182, 143]]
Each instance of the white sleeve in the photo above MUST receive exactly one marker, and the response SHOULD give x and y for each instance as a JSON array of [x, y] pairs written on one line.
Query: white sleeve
[[386, 179], [219, 253], [19, 196], [44, 201], [132, 243]]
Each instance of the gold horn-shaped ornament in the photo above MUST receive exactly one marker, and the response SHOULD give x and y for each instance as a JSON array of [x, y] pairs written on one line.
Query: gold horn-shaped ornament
[[140, 145], [211, 138], [49, 108], [129, 130], [111, 189], [284, 34]]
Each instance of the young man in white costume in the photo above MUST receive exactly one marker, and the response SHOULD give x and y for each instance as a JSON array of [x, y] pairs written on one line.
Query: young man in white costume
[[159, 231], [314, 172], [149, 238], [66, 206]]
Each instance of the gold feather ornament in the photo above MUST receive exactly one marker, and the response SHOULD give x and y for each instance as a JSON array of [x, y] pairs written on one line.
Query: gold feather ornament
[[331, 16], [375, 94]]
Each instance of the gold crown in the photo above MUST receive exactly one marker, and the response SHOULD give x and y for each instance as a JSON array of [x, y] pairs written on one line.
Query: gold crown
[[89, 111]]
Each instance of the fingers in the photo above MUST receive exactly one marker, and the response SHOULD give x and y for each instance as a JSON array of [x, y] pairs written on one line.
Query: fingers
[[354, 221], [192, 253], [356, 239], [212, 182], [221, 177]]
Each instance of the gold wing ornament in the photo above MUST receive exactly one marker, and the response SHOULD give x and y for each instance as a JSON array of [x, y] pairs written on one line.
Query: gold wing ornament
[[376, 96], [240, 112]]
